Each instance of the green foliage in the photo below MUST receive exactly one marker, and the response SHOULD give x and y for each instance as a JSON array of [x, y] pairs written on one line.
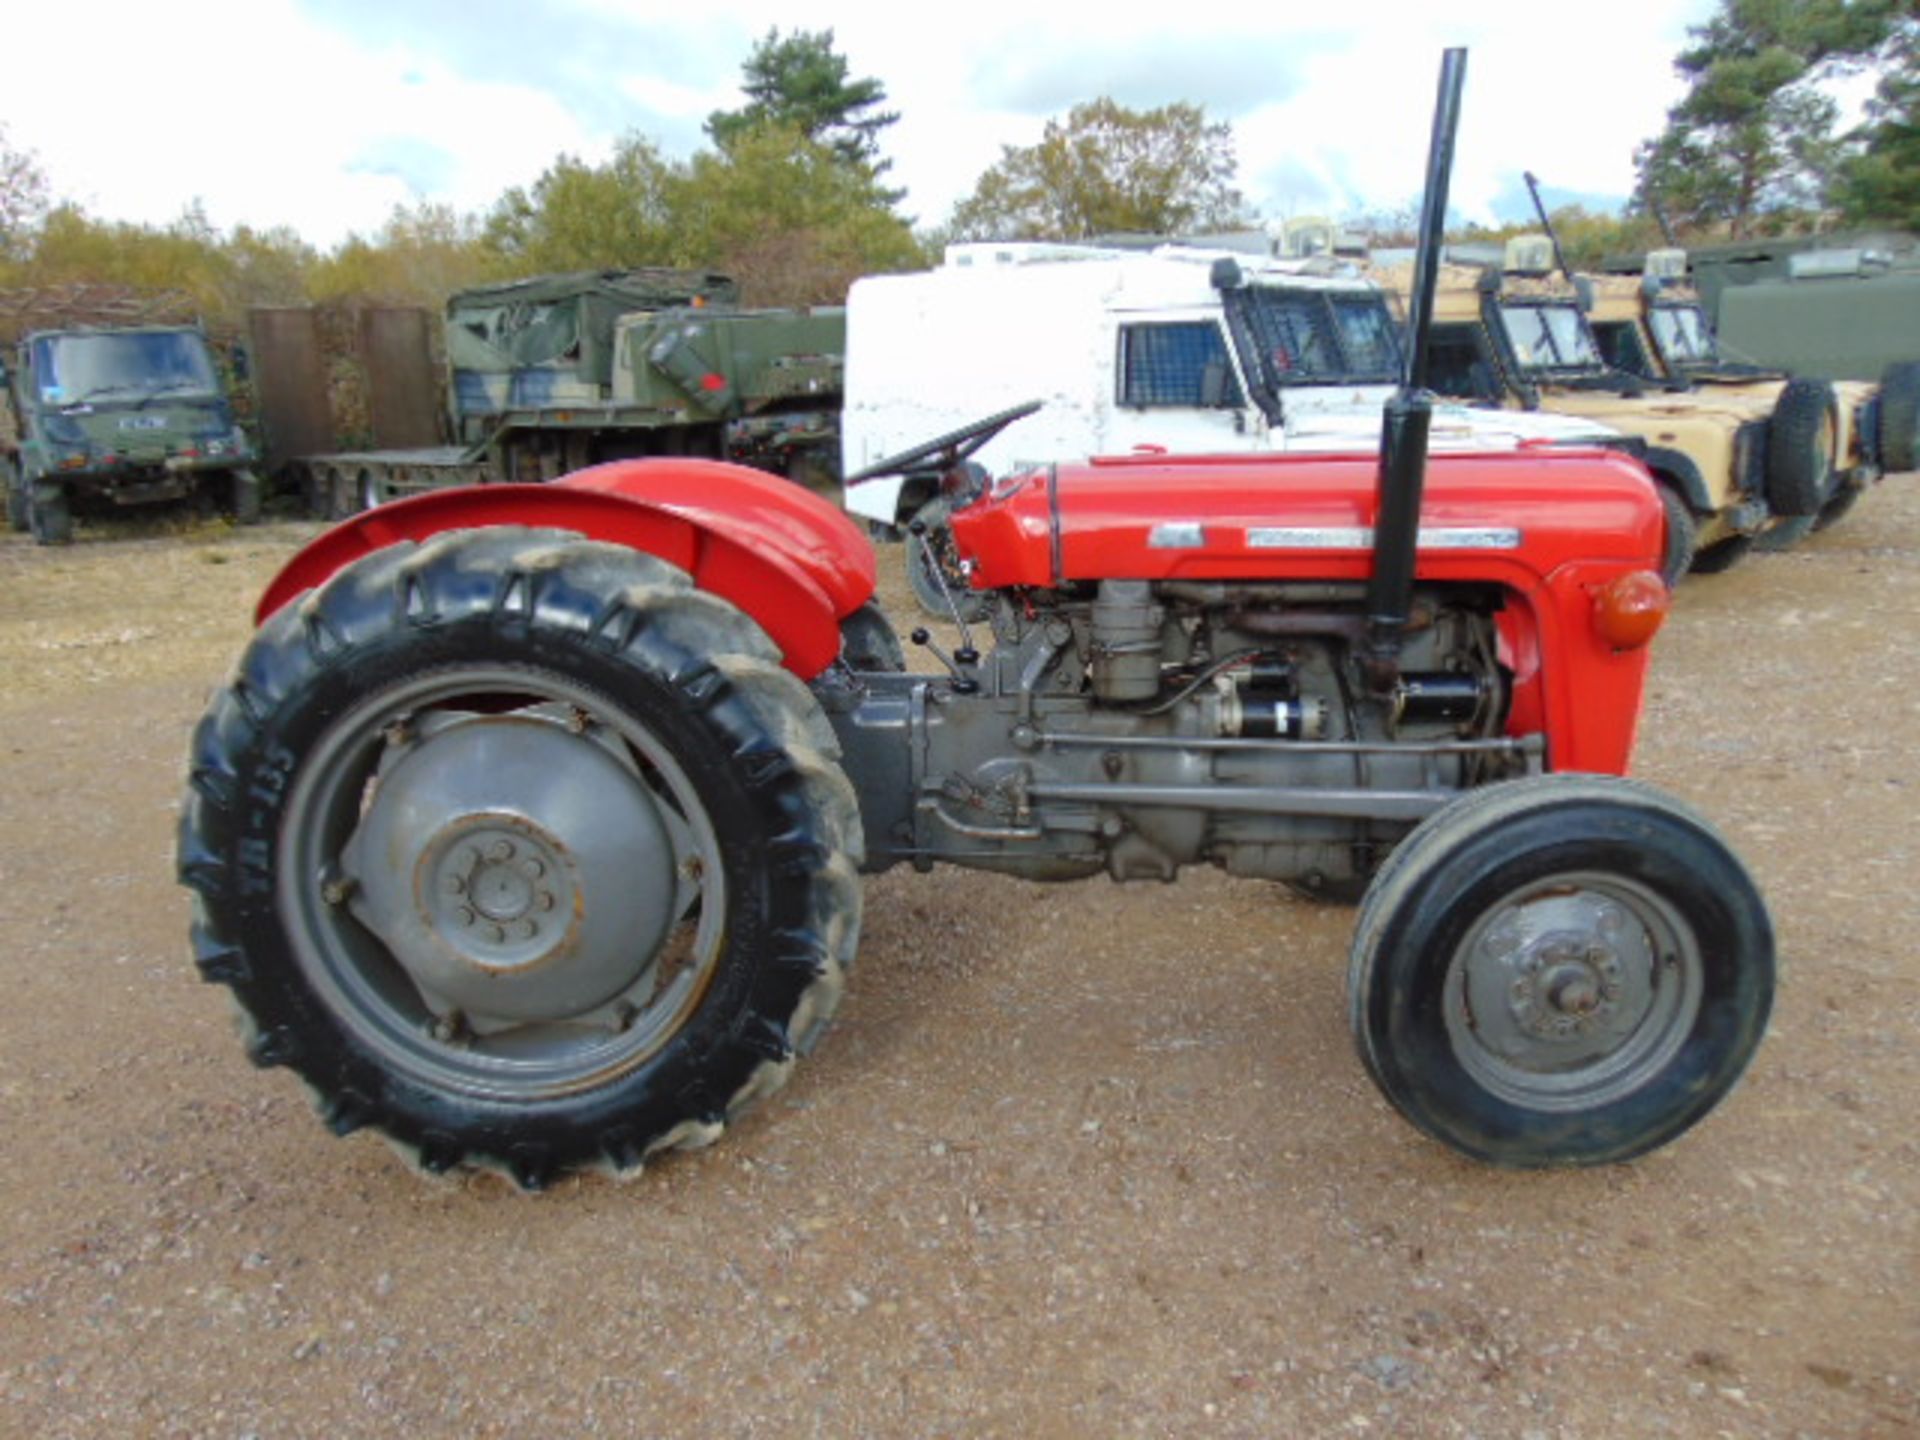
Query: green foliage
[[1751, 145], [787, 217], [421, 255], [222, 276], [797, 82], [1107, 168], [588, 217], [1881, 183]]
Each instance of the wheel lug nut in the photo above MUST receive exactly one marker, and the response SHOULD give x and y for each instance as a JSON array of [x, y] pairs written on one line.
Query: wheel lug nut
[[502, 850], [544, 900], [526, 930], [497, 933], [455, 885], [533, 869], [464, 915]]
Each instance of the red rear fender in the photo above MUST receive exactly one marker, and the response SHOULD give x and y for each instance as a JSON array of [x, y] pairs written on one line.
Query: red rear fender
[[786, 557]]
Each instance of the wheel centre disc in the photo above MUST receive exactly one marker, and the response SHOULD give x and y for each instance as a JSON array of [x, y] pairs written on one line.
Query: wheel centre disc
[[515, 866]]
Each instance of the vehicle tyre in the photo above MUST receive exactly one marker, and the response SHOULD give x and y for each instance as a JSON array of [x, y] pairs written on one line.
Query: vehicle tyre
[[1900, 416], [934, 551], [1676, 553], [1347, 890], [637, 854], [49, 514], [1801, 469], [868, 641], [1787, 532], [1835, 510], [245, 495], [1561, 970], [1722, 555], [369, 494], [17, 504]]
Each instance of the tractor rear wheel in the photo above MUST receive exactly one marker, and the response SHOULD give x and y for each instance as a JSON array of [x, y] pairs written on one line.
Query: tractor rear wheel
[[522, 851], [1801, 470], [1561, 970], [868, 641]]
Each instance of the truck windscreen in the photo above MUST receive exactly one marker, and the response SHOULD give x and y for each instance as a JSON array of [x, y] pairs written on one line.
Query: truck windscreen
[[130, 365]]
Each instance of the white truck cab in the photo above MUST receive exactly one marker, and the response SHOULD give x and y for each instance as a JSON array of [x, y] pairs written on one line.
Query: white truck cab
[[1186, 350]]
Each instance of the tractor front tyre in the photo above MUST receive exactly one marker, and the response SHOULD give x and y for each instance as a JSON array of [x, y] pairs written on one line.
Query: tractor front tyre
[[1900, 416], [931, 557], [1676, 552], [1560, 970], [522, 851], [869, 643], [49, 513], [1801, 469]]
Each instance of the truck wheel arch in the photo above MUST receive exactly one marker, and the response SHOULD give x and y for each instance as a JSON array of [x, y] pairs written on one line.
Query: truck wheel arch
[[1678, 469]]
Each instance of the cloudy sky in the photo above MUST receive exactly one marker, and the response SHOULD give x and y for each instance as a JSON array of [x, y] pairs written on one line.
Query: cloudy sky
[[323, 114]]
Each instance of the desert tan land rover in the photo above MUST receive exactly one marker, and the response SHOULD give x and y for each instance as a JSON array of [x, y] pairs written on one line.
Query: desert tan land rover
[[1654, 325], [1728, 465]]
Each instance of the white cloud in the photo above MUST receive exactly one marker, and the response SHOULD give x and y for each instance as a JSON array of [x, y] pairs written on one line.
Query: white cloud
[[273, 117]]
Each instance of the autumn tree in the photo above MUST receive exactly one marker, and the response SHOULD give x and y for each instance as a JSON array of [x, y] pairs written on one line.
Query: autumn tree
[[578, 216], [422, 254], [1107, 168], [797, 82], [1752, 141], [787, 217], [23, 197]]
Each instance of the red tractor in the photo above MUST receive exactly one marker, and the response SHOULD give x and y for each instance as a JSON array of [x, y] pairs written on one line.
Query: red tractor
[[529, 828]]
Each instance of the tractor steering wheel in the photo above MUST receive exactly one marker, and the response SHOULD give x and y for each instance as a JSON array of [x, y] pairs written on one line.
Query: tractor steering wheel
[[949, 449]]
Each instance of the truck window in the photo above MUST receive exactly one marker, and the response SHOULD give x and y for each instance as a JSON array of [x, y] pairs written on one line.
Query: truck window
[[1458, 364], [1165, 364]]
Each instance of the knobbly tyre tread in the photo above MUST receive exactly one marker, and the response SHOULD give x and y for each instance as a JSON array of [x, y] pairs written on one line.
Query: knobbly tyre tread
[[1800, 480], [1429, 846], [780, 751], [1900, 416]]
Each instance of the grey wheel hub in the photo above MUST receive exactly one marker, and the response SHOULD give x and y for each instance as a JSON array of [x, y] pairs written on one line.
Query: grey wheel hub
[[1573, 993], [514, 866]]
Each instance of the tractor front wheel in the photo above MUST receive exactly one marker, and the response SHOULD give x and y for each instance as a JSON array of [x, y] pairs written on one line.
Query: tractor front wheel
[[522, 851], [1562, 970]]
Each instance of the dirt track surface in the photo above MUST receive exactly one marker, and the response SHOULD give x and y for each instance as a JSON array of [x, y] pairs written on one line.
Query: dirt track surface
[[1083, 1160]]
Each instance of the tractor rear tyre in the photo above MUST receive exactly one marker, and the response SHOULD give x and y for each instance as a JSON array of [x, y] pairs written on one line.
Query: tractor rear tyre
[[1801, 469], [520, 850], [49, 514], [1561, 970], [1676, 553], [1900, 416]]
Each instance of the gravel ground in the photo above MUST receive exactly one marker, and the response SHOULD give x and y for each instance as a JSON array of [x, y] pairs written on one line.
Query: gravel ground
[[1080, 1160]]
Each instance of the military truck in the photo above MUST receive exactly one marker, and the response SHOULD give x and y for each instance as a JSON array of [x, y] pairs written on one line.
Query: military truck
[[120, 416], [1654, 325], [1727, 467], [554, 373], [1182, 349]]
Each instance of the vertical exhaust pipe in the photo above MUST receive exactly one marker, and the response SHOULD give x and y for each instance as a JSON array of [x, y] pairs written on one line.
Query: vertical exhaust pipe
[[1409, 414], [1546, 223]]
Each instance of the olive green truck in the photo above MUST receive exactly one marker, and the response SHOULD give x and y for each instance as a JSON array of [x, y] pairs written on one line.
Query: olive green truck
[[552, 374]]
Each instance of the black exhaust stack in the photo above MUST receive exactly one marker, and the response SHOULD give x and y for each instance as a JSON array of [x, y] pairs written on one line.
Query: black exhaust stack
[[1409, 414]]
